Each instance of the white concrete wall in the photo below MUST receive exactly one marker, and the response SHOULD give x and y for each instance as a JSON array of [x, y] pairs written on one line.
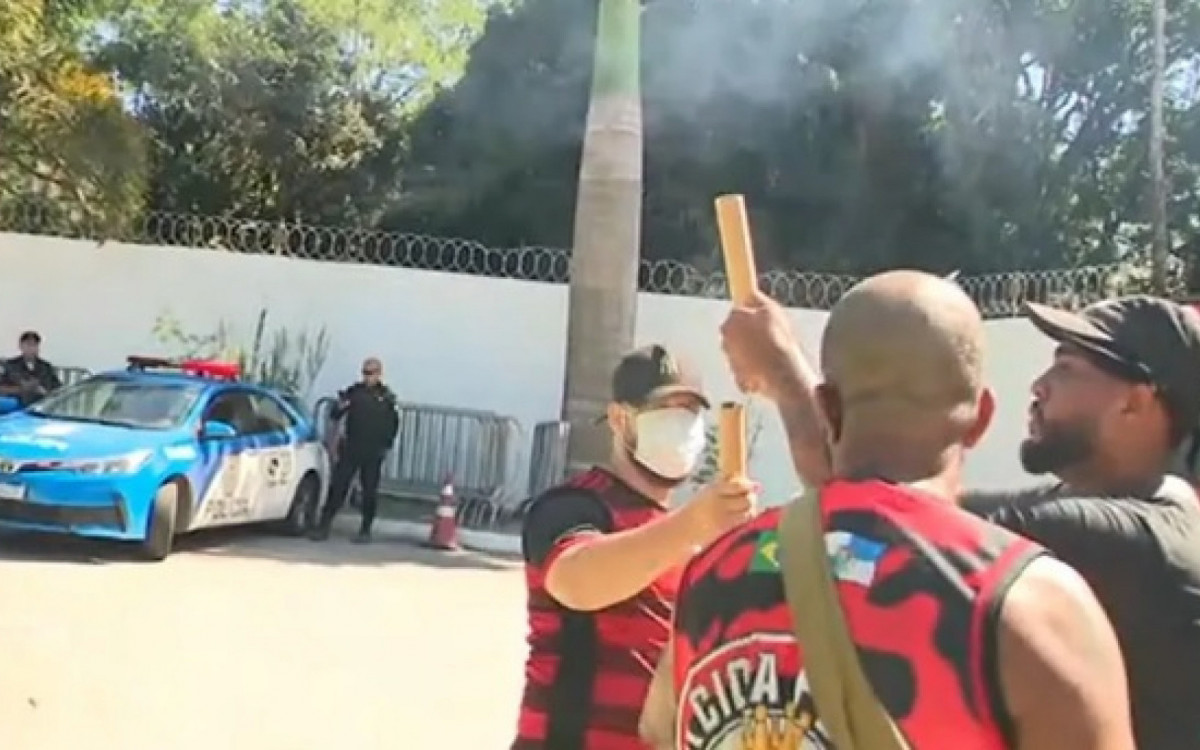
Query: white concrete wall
[[444, 338]]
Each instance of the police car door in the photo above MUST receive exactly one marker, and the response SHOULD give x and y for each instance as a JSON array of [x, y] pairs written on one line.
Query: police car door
[[278, 461], [229, 496]]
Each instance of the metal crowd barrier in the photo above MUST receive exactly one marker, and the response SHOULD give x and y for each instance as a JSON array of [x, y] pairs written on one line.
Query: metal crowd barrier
[[547, 468], [477, 450], [548, 457], [72, 375]]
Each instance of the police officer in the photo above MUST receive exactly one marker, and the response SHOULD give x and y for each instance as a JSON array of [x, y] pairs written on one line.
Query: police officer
[[28, 377], [372, 422]]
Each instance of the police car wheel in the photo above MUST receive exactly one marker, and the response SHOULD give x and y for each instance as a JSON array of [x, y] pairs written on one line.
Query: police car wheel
[[160, 536], [304, 506]]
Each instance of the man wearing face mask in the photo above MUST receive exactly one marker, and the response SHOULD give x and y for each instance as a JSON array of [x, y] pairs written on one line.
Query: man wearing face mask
[[603, 554], [1107, 416]]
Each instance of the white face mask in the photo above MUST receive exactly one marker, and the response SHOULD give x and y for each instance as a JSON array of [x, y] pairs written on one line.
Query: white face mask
[[669, 441]]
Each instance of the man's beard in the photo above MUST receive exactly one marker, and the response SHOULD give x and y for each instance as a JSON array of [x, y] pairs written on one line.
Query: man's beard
[[1059, 446]]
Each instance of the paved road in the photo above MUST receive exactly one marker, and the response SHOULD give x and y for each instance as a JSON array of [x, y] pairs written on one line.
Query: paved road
[[245, 642]]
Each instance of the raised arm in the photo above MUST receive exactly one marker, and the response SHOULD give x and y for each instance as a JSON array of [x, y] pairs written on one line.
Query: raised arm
[[793, 397], [766, 358], [588, 566], [1060, 667]]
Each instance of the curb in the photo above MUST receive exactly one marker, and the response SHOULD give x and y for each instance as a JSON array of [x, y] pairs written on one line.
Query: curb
[[479, 541]]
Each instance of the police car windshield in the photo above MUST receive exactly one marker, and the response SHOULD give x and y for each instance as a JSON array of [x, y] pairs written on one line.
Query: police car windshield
[[121, 401]]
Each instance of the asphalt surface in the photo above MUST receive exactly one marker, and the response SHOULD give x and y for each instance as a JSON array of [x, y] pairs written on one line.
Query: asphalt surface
[[243, 641]]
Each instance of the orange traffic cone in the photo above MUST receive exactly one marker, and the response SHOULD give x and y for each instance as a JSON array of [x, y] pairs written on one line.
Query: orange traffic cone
[[443, 534]]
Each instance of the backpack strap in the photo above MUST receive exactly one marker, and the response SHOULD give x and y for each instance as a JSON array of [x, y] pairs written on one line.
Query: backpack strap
[[845, 701]]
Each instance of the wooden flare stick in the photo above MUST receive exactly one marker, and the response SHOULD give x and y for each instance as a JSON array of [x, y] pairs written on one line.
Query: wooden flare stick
[[740, 269], [738, 248], [731, 441]]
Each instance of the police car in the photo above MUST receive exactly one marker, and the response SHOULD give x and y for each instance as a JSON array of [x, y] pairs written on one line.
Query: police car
[[157, 450]]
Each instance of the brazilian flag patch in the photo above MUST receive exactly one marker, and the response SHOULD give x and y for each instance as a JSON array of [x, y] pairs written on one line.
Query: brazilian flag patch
[[766, 553]]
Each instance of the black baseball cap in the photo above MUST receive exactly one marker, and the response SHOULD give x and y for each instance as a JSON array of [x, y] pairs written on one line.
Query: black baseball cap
[[650, 374], [1138, 338], [33, 336]]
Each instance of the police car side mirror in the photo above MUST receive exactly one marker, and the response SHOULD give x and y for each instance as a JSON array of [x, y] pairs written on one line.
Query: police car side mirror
[[215, 429]]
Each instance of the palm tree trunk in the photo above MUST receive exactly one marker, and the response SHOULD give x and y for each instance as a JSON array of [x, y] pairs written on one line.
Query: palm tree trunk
[[606, 253], [1158, 177]]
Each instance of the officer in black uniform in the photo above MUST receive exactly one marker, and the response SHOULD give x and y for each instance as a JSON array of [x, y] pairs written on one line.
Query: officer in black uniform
[[28, 377], [372, 421]]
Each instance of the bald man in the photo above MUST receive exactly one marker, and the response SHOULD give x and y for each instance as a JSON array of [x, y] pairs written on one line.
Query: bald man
[[1118, 398], [970, 635], [372, 421]]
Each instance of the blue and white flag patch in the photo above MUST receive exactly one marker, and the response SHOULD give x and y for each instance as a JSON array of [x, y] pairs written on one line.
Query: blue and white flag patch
[[853, 558]]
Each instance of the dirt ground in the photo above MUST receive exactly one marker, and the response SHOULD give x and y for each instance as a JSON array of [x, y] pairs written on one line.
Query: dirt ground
[[242, 641]]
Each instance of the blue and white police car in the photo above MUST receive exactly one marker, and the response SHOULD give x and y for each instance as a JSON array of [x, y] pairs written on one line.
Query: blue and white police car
[[157, 450]]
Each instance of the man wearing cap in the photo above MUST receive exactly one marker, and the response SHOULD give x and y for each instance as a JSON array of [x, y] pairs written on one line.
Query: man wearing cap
[[27, 376], [1107, 417], [603, 554], [1139, 349]]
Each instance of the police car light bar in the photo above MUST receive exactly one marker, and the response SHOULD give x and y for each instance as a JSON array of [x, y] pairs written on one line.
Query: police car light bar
[[200, 368], [209, 368], [136, 362]]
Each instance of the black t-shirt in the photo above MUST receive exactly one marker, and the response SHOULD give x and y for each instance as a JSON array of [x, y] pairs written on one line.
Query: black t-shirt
[[1142, 559]]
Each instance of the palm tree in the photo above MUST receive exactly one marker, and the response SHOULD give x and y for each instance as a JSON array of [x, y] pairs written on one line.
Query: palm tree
[[607, 239], [1158, 177]]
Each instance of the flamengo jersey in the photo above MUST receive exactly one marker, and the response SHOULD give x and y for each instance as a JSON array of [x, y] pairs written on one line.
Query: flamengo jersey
[[920, 582], [588, 673]]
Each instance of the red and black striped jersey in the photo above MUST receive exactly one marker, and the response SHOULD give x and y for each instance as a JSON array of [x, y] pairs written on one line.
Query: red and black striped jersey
[[587, 673], [921, 583]]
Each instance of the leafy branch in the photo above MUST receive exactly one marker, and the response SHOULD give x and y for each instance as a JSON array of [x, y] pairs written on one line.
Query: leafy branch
[[283, 359]]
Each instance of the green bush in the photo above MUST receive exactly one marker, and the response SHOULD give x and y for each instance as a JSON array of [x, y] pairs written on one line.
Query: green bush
[[284, 359]]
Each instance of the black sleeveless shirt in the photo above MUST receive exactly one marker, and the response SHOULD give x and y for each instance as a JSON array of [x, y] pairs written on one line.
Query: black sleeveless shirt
[[1142, 559]]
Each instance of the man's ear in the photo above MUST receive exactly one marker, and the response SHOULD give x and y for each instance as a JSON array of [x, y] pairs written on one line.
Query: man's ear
[[829, 404], [1140, 398], [984, 412], [616, 417]]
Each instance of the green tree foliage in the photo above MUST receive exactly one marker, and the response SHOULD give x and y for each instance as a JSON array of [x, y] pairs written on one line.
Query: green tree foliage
[[66, 146], [974, 134], [289, 109], [249, 112], [951, 134], [409, 48], [500, 150], [283, 358]]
